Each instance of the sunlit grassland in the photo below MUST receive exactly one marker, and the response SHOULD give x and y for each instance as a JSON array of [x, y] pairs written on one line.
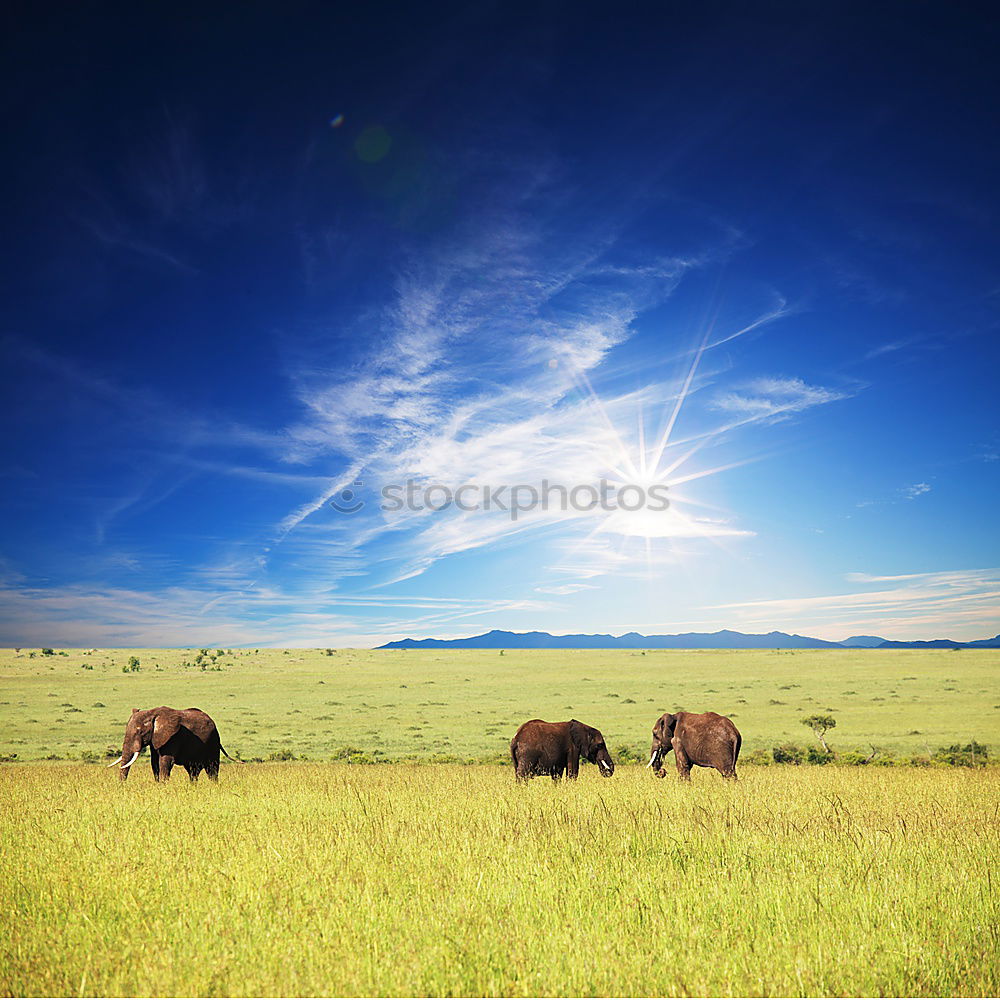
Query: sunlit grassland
[[295, 879], [466, 704]]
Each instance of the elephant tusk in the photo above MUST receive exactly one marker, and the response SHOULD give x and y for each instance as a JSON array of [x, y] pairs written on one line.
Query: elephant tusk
[[605, 765], [129, 764], [112, 764], [651, 759]]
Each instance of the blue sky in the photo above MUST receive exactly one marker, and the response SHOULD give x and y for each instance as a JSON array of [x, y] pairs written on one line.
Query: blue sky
[[259, 256]]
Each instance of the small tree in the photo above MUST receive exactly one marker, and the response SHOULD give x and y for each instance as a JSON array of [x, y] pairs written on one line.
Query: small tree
[[819, 724]]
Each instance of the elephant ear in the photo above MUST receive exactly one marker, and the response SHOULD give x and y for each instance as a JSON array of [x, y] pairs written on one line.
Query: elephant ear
[[664, 730], [580, 737], [164, 728]]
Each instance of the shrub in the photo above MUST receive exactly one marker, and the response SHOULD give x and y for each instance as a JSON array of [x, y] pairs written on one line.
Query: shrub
[[355, 755], [8, 758], [788, 753], [970, 755], [760, 757], [285, 754], [132, 666], [816, 756], [624, 754], [47, 652]]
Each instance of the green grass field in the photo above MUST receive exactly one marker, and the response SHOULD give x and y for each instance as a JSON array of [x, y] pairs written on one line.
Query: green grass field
[[466, 704], [326, 879]]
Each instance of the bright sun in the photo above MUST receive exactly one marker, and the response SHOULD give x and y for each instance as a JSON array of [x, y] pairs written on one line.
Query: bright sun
[[659, 469]]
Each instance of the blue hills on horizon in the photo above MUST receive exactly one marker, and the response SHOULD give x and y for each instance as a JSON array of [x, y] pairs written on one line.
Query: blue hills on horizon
[[724, 639]]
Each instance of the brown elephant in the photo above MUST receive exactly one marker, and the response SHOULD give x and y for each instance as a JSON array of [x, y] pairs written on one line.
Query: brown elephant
[[705, 740], [187, 737], [554, 747]]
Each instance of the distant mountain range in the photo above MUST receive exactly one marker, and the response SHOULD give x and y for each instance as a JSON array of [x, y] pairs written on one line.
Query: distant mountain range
[[726, 639]]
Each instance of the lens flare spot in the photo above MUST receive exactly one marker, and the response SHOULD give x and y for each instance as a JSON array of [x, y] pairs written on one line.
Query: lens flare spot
[[373, 144], [336, 121]]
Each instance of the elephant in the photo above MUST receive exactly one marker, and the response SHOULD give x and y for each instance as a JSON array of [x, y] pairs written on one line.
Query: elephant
[[187, 737], [554, 747], [705, 740]]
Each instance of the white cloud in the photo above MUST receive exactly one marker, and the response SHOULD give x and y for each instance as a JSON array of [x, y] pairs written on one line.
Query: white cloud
[[79, 616], [775, 398], [565, 589], [962, 604], [914, 491], [902, 495]]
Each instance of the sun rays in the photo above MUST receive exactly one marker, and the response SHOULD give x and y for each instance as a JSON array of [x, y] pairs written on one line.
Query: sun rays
[[647, 537]]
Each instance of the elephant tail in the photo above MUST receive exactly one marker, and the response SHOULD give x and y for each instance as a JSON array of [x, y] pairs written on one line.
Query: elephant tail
[[513, 753], [233, 759]]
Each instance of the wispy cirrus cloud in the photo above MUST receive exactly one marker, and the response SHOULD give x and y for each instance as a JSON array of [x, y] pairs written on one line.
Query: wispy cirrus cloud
[[914, 491], [775, 398], [76, 615], [904, 494], [564, 589], [484, 374], [964, 604]]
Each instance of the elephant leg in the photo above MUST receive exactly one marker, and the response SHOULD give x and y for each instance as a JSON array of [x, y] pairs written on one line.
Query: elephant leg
[[683, 764], [573, 763], [193, 769], [166, 765], [212, 769], [154, 760]]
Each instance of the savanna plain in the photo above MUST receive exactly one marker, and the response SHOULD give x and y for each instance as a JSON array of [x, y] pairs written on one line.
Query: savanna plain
[[307, 874]]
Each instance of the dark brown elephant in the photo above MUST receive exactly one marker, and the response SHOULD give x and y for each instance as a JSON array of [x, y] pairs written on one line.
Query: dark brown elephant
[[186, 736], [705, 740], [554, 747]]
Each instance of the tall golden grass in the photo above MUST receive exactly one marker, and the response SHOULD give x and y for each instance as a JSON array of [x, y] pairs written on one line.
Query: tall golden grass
[[326, 879]]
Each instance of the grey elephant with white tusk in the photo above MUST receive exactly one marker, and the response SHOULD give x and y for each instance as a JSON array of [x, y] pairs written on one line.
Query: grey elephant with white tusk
[[702, 740], [188, 737]]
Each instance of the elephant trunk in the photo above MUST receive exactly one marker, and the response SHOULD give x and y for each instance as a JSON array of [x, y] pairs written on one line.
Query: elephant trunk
[[656, 754], [131, 751], [605, 764]]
